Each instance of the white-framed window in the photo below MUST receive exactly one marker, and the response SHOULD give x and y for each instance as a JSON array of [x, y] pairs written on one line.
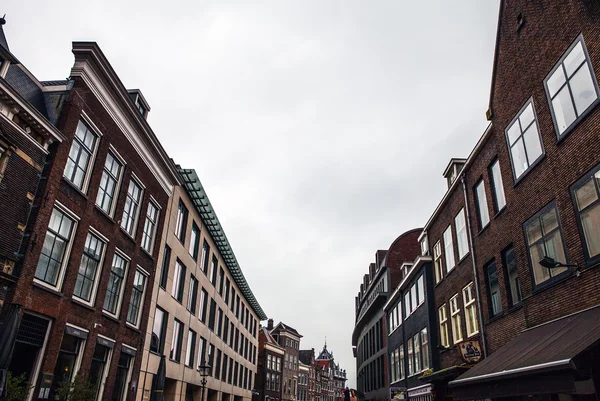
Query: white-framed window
[[524, 140], [410, 354], [109, 183], [213, 275], [81, 157], [483, 214], [150, 224], [417, 352], [420, 290], [124, 371], [137, 297], [437, 262], [449, 249], [470, 309], [456, 320], [497, 186], [132, 206], [90, 267], [114, 291], [571, 87], [461, 234], [100, 364], [55, 252], [424, 246], [71, 352], [425, 349]]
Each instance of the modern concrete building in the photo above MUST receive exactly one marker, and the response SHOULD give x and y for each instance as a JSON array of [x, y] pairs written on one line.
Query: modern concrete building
[[203, 310]]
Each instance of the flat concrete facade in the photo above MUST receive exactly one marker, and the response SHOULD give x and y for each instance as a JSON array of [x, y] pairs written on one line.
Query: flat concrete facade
[[230, 346]]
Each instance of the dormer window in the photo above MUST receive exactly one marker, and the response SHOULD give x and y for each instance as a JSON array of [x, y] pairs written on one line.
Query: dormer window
[[424, 246], [139, 102]]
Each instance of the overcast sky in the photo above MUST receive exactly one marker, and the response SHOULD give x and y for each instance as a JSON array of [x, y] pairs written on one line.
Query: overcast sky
[[320, 129]]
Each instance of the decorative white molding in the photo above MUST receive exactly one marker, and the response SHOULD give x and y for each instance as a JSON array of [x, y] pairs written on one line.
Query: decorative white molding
[[100, 89]]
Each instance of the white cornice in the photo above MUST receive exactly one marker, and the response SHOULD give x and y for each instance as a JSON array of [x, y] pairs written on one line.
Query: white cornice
[[86, 71], [274, 348]]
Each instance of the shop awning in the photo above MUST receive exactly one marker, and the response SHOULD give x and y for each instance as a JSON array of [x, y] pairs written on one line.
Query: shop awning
[[540, 360]]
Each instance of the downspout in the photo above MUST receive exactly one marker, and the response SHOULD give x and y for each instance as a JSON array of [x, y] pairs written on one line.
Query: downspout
[[473, 261]]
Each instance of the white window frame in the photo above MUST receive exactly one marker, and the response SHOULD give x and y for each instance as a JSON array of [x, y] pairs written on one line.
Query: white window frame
[[139, 206], [462, 240], [438, 265], [579, 115], [180, 222], [455, 320], [443, 320], [424, 246], [146, 275], [150, 246], [100, 392], [189, 347], [94, 291], [130, 371], [424, 345], [79, 359], [91, 127], [449, 249], [61, 275], [113, 206], [470, 309], [122, 289]]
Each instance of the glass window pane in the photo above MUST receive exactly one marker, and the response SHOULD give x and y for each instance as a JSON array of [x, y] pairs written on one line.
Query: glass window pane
[[540, 273], [556, 250], [583, 89], [498, 186], [549, 221], [563, 109], [556, 81], [514, 132], [574, 59], [526, 117], [532, 144], [586, 194], [590, 220], [534, 231], [518, 157]]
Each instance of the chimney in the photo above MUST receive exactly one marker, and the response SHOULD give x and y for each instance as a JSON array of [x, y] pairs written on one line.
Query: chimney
[[270, 324]]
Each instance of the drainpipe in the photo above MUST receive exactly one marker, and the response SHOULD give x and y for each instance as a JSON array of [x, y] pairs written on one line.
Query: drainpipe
[[473, 261]]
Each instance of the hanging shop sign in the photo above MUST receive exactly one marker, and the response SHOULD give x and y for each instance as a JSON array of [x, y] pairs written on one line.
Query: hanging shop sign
[[470, 351]]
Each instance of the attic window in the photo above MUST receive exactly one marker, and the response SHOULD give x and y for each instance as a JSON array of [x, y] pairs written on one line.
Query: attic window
[[139, 106], [520, 22]]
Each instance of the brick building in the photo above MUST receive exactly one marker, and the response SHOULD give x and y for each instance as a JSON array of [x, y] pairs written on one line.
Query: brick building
[[307, 357], [204, 310], [533, 195], [26, 135], [289, 339], [445, 241], [369, 339], [99, 210], [326, 359], [270, 365]]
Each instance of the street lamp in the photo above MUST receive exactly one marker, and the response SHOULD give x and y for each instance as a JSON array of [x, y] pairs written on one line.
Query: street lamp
[[204, 370], [550, 263], [255, 393]]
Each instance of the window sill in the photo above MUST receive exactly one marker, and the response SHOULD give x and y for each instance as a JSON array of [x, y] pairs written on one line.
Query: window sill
[[75, 187], [132, 327], [500, 212], [147, 253], [83, 304], [483, 229], [472, 335], [529, 170], [111, 317], [463, 258], [127, 234], [102, 212], [46, 288]]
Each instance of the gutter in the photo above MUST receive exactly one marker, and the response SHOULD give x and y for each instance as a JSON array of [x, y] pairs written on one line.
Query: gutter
[[473, 262]]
